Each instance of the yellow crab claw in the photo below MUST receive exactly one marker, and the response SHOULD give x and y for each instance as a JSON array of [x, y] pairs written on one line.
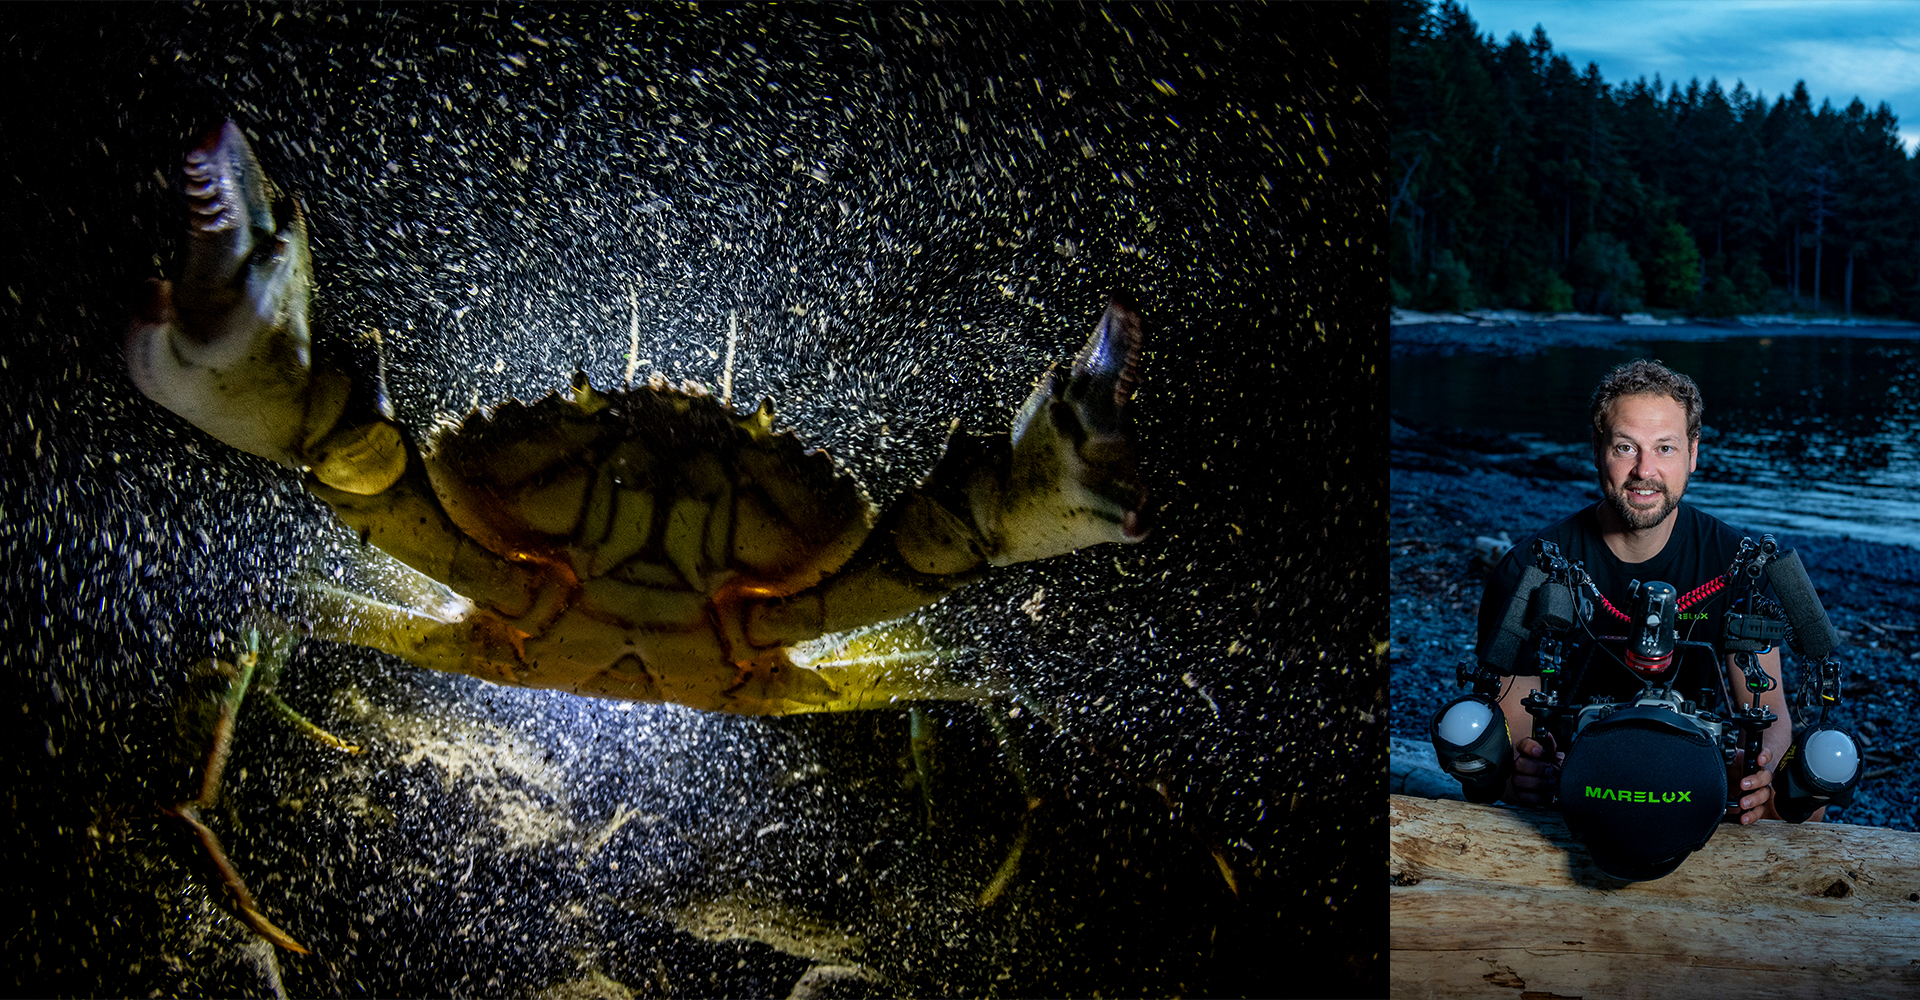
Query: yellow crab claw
[[1073, 481], [226, 346], [1064, 479]]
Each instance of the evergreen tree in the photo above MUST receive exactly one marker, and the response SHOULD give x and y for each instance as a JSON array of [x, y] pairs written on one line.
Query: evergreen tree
[[1517, 181]]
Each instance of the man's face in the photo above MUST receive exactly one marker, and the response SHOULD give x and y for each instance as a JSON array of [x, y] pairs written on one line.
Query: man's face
[[1645, 458]]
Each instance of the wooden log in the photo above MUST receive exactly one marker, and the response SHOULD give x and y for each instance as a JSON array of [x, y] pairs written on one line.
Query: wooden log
[[1496, 901]]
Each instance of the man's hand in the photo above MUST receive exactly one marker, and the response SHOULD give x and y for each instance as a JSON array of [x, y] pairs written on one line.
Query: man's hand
[[1756, 800], [1536, 772]]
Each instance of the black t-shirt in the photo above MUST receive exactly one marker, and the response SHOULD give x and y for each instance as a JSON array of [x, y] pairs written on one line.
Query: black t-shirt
[[1701, 549]]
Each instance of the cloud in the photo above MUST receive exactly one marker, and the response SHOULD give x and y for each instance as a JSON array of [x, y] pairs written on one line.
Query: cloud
[[1869, 50]]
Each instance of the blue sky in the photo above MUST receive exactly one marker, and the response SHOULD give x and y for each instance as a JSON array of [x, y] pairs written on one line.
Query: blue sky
[[1842, 48]]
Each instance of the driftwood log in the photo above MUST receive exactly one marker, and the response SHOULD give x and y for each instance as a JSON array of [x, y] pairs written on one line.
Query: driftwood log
[[1490, 901]]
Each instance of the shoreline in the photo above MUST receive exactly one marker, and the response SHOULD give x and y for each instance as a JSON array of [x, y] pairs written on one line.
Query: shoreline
[[1509, 332], [1510, 317], [1863, 498]]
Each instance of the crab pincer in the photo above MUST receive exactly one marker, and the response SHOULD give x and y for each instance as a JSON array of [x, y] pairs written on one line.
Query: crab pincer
[[1075, 476], [227, 345]]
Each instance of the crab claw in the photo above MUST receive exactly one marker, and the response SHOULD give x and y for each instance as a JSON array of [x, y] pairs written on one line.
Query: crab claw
[[1065, 478], [226, 346], [1073, 481]]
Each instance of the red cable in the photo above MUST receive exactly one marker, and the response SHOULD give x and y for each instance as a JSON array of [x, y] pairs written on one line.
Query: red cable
[[1693, 597], [1704, 591]]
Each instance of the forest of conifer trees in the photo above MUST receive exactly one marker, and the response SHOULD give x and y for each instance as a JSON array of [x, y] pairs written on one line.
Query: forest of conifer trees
[[1518, 182]]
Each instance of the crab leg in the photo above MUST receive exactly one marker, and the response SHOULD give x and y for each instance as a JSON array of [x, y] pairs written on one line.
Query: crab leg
[[266, 686], [876, 668], [242, 899], [189, 812], [223, 728], [1063, 479]]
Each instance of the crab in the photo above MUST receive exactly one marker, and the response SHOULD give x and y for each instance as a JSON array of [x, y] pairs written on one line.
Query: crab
[[647, 544]]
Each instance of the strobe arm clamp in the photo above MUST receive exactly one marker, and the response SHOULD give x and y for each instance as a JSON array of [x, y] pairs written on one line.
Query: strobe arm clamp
[[1544, 705], [1825, 688], [1471, 673], [1750, 561], [1558, 605], [1758, 680]]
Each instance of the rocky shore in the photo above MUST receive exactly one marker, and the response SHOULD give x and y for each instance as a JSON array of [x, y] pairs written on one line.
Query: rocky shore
[[1507, 331], [1450, 486]]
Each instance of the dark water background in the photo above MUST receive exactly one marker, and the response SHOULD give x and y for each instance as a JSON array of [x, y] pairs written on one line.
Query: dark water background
[[913, 209], [1808, 434]]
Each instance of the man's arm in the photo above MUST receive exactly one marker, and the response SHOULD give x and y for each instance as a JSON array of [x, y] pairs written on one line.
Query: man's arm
[[1757, 794]]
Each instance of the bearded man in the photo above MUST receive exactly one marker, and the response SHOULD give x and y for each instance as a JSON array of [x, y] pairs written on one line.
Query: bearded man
[[1646, 441]]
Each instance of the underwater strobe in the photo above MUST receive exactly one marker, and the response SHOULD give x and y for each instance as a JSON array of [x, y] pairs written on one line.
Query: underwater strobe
[[1470, 738], [1822, 766], [1821, 769]]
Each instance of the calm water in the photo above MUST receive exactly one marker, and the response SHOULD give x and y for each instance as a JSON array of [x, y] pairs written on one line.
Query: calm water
[[1810, 435]]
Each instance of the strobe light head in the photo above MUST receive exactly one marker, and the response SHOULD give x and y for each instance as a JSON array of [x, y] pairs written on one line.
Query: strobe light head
[[1821, 769], [1470, 738], [1650, 644]]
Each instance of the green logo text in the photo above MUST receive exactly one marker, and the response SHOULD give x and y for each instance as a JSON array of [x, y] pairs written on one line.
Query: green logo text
[[1625, 795]]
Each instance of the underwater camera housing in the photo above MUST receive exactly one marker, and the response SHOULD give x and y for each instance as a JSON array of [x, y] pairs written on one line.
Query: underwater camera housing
[[1644, 783]]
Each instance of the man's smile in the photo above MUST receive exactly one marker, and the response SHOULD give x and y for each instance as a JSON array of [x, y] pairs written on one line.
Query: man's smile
[[1643, 503]]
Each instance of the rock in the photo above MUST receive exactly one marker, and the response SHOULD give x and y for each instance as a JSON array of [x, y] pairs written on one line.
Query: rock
[[1414, 769]]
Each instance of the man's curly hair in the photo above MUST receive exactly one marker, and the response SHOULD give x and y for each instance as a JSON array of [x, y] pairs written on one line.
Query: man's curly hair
[[1644, 377]]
